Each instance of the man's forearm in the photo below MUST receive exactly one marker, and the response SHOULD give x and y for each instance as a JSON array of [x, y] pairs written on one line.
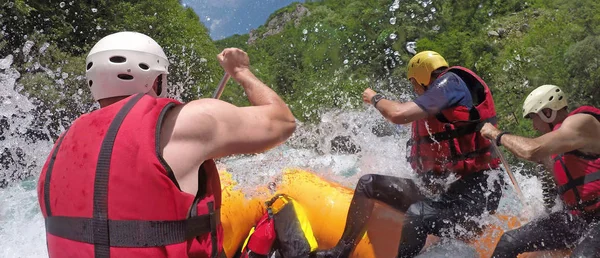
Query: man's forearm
[[258, 93], [522, 147], [387, 108]]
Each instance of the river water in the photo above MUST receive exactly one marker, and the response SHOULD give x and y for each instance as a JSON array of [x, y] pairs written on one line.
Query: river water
[[342, 146]]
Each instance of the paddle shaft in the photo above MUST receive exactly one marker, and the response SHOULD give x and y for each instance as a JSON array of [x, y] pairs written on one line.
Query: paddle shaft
[[509, 172], [221, 86]]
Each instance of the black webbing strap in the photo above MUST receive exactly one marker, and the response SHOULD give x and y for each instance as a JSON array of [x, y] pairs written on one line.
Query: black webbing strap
[[453, 150], [582, 155], [49, 175], [214, 220], [100, 223], [213, 215], [130, 233], [597, 116], [572, 183], [461, 130]]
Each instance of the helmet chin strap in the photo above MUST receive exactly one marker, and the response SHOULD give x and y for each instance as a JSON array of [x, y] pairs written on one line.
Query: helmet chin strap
[[548, 120], [159, 87]]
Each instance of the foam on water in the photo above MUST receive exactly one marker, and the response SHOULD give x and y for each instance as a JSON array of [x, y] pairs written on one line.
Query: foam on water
[[21, 223]]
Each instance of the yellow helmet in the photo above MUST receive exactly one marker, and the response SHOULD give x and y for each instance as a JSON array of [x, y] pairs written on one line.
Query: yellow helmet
[[422, 64], [545, 96]]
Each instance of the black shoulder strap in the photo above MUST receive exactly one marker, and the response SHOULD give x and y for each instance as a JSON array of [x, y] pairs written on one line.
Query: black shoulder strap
[[581, 155], [100, 219], [597, 116]]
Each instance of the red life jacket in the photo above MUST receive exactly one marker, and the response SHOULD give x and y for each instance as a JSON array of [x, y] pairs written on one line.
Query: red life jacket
[[105, 190], [450, 141], [578, 174]]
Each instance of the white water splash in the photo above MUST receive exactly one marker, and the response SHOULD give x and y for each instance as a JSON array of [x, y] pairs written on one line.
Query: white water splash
[[21, 223], [343, 146]]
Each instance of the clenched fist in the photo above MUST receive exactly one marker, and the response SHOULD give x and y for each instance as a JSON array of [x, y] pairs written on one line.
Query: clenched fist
[[368, 95], [233, 61]]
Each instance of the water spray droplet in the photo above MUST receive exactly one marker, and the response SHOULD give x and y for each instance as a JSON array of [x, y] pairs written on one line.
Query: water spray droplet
[[393, 20], [395, 5]]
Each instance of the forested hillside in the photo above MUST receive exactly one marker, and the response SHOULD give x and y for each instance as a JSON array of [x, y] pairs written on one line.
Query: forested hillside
[[329, 55], [325, 57]]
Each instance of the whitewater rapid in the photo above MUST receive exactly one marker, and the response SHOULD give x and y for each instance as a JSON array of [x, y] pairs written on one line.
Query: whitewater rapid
[[376, 146]]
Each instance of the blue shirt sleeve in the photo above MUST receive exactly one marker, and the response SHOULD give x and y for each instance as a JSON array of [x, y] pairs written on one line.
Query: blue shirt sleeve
[[447, 91]]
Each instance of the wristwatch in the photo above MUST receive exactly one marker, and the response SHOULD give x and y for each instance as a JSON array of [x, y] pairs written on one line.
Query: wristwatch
[[499, 137], [376, 98]]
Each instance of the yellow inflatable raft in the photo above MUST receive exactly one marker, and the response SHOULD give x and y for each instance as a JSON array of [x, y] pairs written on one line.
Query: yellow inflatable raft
[[238, 214], [326, 204]]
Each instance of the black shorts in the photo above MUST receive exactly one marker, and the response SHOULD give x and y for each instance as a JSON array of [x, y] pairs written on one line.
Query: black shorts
[[558, 230], [455, 212]]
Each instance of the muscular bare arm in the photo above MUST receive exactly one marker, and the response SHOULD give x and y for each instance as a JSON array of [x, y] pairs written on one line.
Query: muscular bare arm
[[578, 132], [210, 128], [239, 130]]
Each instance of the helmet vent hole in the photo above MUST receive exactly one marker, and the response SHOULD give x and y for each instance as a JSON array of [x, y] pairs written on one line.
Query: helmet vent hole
[[90, 82], [560, 98], [144, 67], [126, 77], [118, 59], [551, 98], [89, 65], [557, 90]]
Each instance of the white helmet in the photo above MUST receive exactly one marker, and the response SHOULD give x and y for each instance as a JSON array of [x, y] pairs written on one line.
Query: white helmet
[[545, 96], [126, 63]]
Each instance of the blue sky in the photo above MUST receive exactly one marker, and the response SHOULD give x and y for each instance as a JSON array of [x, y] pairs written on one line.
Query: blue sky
[[227, 17]]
